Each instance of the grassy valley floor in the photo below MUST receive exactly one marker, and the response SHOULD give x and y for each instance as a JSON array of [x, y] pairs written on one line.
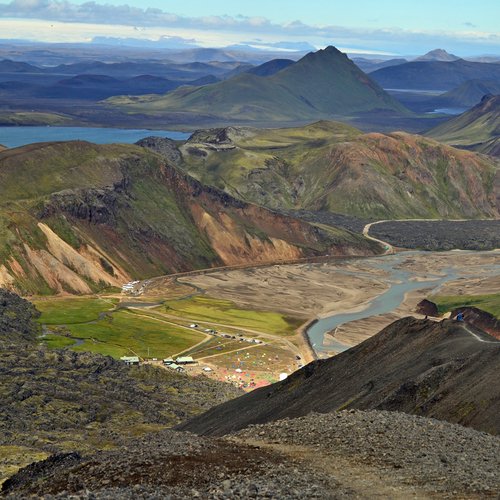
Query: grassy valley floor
[[247, 326]]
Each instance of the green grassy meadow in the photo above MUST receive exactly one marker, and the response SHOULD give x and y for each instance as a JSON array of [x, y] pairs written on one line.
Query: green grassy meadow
[[488, 303], [209, 309], [72, 310], [79, 324]]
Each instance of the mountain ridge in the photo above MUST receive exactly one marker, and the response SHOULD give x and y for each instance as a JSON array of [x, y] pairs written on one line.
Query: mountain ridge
[[416, 366], [477, 129], [434, 75], [101, 214], [333, 167]]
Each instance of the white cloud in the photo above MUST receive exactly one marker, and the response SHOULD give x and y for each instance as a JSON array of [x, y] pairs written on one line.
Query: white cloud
[[224, 30]]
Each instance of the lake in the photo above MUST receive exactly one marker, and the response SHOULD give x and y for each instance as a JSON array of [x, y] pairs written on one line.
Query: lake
[[447, 111], [12, 137]]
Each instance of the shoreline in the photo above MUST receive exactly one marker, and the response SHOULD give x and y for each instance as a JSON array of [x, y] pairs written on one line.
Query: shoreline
[[302, 330]]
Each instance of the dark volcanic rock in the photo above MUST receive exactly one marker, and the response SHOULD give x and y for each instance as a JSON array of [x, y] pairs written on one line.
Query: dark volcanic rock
[[174, 465], [428, 308], [435, 369], [164, 146], [97, 206], [438, 457], [440, 234], [17, 318], [37, 469]]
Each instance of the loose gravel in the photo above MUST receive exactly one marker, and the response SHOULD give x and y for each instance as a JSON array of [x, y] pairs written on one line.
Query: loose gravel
[[349, 454], [438, 456], [175, 465]]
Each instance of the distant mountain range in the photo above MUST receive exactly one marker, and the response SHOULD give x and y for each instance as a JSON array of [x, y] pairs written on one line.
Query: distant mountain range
[[370, 65], [321, 84], [185, 71], [468, 94], [90, 216], [437, 55], [95, 80], [96, 87], [477, 129], [434, 75]]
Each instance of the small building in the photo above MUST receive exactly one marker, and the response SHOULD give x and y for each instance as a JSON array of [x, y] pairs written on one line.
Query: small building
[[130, 360], [185, 360], [168, 361], [175, 367]]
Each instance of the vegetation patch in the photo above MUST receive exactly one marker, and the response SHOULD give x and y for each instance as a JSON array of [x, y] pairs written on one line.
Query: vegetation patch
[[489, 303], [91, 324], [209, 309], [72, 310]]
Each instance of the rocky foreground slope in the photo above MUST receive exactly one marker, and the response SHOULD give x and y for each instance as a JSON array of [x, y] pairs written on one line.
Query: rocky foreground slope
[[349, 454], [96, 429], [420, 367]]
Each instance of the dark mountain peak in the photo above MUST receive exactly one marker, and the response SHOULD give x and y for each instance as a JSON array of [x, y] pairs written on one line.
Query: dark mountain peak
[[326, 53], [271, 67], [438, 55], [331, 50], [490, 100], [10, 66], [86, 79]]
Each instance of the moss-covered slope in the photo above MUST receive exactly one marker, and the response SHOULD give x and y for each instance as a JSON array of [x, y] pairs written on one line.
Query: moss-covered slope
[[333, 167], [76, 216]]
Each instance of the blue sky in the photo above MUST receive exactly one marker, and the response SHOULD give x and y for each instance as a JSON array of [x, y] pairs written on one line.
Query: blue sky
[[387, 26]]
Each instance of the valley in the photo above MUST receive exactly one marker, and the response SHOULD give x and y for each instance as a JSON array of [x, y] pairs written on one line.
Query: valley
[[251, 324], [211, 289]]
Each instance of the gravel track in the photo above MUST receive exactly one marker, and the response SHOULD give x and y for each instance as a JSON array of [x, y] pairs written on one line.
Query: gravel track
[[434, 457]]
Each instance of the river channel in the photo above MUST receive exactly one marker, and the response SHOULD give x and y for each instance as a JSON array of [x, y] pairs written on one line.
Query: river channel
[[400, 282]]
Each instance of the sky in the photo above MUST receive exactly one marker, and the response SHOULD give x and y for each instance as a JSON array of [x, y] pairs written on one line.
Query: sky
[[387, 27]]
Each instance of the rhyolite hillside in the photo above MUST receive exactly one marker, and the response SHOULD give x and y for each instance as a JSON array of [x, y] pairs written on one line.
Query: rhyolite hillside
[[76, 216], [332, 167]]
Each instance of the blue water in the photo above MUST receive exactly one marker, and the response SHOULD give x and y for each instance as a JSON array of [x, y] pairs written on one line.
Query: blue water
[[13, 137], [447, 111], [400, 282]]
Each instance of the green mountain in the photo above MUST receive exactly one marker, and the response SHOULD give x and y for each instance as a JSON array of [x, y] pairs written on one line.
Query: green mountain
[[469, 93], [478, 128], [332, 167], [76, 216], [320, 85]]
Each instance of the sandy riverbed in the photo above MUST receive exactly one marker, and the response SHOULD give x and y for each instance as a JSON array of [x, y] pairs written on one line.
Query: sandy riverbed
[[317, 290]]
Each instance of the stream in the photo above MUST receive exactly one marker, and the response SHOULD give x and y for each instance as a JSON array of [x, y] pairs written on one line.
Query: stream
[[400, 281]]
